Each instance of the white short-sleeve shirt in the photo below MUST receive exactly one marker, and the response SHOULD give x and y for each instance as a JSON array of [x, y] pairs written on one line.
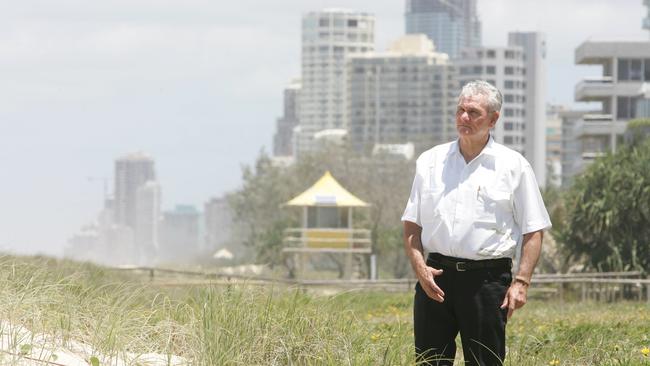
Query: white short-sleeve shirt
[[475, 210]]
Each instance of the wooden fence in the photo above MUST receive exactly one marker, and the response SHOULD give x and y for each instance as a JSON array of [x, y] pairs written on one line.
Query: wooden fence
[[598, 286]]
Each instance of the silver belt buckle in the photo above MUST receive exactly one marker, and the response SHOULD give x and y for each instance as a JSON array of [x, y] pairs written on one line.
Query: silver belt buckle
[[460, 267]]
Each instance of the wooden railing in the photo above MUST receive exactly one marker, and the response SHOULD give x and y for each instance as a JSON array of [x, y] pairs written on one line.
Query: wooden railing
[[327, 240], [597, 286]]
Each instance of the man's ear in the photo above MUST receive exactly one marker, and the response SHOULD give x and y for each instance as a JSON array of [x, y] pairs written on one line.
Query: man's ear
[[495, 117]]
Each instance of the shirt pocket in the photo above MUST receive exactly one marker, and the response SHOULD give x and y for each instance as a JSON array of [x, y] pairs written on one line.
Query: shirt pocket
[[494, 215], [493, 206]]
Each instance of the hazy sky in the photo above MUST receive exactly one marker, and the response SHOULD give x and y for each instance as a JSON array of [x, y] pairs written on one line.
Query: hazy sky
[[196, 84]]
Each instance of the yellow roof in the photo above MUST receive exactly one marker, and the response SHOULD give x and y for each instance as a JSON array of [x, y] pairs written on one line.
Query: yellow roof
[[327, 192]]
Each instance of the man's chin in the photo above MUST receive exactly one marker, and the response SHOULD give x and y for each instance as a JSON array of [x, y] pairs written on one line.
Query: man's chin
[[463, 131]]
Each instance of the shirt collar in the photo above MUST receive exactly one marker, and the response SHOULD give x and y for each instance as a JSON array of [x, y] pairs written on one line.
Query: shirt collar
[[488, 149]]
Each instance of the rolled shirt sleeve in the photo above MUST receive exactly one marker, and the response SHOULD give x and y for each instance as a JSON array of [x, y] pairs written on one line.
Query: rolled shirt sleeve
[[530, 212]]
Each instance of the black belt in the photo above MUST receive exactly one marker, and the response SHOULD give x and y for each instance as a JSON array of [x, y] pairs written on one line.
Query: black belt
[[461, 265]]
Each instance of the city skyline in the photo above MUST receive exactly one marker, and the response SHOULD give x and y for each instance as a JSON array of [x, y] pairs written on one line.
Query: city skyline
[[83, 87]]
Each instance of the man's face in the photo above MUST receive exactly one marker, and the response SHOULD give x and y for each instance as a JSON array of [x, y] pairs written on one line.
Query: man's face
[[473, 119]]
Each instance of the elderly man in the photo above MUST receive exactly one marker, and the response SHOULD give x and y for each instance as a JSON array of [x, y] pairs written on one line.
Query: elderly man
[[474, 203]]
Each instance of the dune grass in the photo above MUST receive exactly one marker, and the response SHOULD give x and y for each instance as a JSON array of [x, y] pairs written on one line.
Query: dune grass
[[275, 325]]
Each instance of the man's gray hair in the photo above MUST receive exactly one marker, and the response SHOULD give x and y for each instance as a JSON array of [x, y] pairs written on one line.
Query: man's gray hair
[[491, 93]]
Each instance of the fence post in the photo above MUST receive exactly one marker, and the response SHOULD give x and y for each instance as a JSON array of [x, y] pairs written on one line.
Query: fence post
[[348, 266], [584, 291], [647, 292], [600, 291]]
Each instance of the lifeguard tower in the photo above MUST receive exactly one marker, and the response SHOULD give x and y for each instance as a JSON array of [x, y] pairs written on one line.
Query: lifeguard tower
[[327, 227]]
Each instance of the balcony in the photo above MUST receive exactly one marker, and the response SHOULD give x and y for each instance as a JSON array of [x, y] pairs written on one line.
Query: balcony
[[594, 89], [584, 128], [603, 52], [591, 125], [591, 156], [597, 118]]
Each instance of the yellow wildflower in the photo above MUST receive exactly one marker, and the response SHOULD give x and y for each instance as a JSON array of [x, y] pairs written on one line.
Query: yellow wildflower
[[374, 337], [554, 362], [645, 351]]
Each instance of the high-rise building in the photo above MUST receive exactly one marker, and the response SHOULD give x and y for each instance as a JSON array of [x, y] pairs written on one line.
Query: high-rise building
[[554, 144], [218, 223], [133, 232], [571, 159], [147, 221], [131, 171], [621, 91], [282, 141], [84, 245], [534, 47], [328, 37], [179, 239], [503, 67], [451, 24], [126, 230], [646, 20], [407, 94]]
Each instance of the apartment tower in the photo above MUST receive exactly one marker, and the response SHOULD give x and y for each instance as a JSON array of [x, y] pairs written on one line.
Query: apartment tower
[[451, 24], [406, 94], [328, 38]]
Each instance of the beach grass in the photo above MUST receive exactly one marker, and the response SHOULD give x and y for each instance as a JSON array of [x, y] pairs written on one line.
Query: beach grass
[[244, 324]]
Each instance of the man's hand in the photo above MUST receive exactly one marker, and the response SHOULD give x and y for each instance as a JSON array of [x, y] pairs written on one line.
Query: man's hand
[[515, 297], [426, 277], [425, 274]]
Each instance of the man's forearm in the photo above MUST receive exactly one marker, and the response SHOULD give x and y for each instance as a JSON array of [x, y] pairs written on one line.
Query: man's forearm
[[531, 249], [413, 245]]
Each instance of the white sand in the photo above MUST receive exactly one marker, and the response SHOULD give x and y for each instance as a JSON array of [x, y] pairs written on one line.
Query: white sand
[[20, 347]]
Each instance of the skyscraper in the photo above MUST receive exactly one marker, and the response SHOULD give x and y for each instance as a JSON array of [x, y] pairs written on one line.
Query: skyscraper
[[180, 234], [282, 141], [571, 158], [554, 117], [646, 20], [147, 220], [407, 94], [218, 223], [534, 47], [622, 91], [136, 208], [451, 24], [328, 37], [131, 171]]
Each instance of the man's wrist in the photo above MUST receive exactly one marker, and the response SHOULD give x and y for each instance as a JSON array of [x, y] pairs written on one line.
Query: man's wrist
[[523, 280]]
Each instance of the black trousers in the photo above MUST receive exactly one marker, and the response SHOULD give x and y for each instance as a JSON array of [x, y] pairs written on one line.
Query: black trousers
[[472, 307]]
